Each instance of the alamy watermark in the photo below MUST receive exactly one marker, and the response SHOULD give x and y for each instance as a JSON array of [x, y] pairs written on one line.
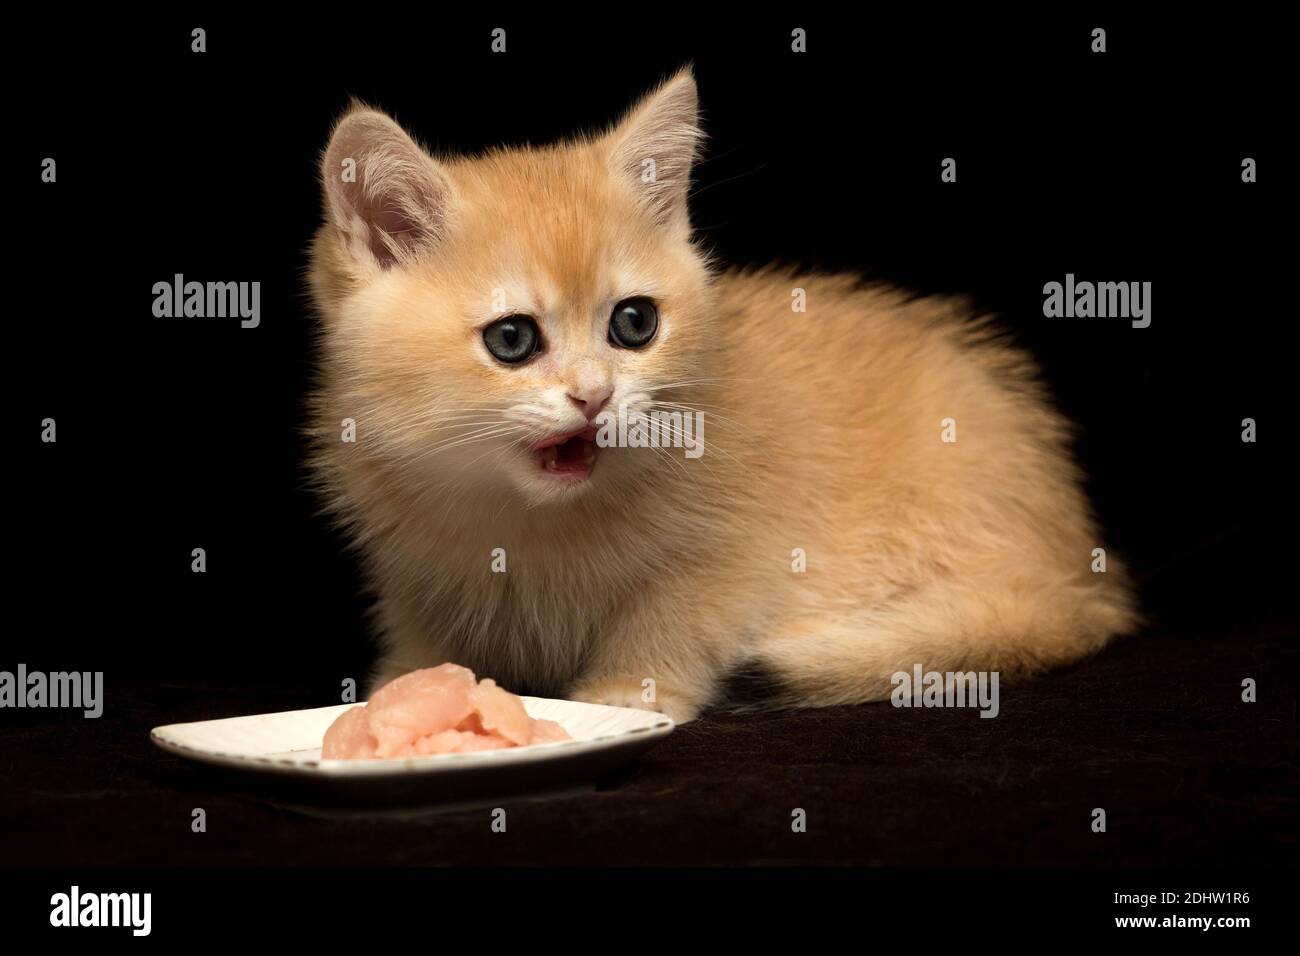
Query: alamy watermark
[[653, 429], [179, 299], [75, 689], [1099, 300], [952, 689]]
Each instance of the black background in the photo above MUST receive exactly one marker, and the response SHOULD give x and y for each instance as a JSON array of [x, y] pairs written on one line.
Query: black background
[[176, 434]]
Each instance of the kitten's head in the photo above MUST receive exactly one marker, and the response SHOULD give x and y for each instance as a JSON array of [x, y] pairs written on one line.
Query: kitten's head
[[480, 312]]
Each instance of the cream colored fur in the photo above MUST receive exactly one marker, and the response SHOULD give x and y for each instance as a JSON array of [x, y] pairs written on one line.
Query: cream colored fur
[[823, 433]]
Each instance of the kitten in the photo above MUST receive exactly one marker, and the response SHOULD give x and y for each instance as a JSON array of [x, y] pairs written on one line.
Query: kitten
[[481, 313]]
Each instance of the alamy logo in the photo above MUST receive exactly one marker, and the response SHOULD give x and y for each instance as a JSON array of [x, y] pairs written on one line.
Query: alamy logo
[[654, 429], [1100, 300], [951, 689], [103, 909], [179, 299], [36, 689]]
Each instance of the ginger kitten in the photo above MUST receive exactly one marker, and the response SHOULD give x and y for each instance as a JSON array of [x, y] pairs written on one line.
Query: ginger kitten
[[480, 313]]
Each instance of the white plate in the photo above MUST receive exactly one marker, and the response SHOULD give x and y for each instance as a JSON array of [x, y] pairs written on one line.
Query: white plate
[[284, 750]]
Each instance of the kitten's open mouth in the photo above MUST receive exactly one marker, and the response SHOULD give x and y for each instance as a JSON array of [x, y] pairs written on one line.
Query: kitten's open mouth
[[570, 457]]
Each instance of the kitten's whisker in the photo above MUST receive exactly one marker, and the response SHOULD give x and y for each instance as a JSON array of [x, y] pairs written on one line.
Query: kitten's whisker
[[708, 446], [729, 179], [662, 452], [718, 416], [456, 441], [685, 383]]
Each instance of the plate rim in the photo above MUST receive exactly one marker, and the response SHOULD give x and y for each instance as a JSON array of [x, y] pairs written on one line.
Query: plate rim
[[661, 726]]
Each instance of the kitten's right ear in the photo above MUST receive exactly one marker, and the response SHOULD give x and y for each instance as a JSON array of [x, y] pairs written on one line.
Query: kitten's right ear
[[388, 197], [655, 146]]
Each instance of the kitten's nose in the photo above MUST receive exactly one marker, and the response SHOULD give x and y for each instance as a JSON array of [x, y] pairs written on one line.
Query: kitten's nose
[[591, 400]]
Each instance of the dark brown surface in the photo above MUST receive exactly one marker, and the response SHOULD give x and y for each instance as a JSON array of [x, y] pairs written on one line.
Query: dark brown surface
[[1154, 731]]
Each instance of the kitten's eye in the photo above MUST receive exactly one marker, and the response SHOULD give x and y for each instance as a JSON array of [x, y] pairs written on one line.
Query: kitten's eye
[[513, 339], [633, 323]]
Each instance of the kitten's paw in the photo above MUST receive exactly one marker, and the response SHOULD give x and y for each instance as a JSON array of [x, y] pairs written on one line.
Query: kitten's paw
[[630, 692]]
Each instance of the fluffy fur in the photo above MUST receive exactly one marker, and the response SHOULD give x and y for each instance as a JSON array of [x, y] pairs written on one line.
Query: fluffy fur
[[823, 433]]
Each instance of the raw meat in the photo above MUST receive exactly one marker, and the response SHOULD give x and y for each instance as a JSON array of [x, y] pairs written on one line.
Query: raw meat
[[437, 710]]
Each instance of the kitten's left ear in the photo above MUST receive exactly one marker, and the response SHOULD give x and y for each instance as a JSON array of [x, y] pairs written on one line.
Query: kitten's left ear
[[386, 195], [655, 146]]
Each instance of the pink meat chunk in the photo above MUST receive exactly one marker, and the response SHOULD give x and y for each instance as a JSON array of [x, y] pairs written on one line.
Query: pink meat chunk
[[501, 712], [437, 710], [349, 737], [545, 731]]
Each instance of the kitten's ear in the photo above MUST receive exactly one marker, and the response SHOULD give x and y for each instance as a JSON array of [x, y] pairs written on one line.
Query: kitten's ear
[[388, 197], [655, 145]]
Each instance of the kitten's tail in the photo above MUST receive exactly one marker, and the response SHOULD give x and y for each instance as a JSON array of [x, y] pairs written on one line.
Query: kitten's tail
[[1015, 629]]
